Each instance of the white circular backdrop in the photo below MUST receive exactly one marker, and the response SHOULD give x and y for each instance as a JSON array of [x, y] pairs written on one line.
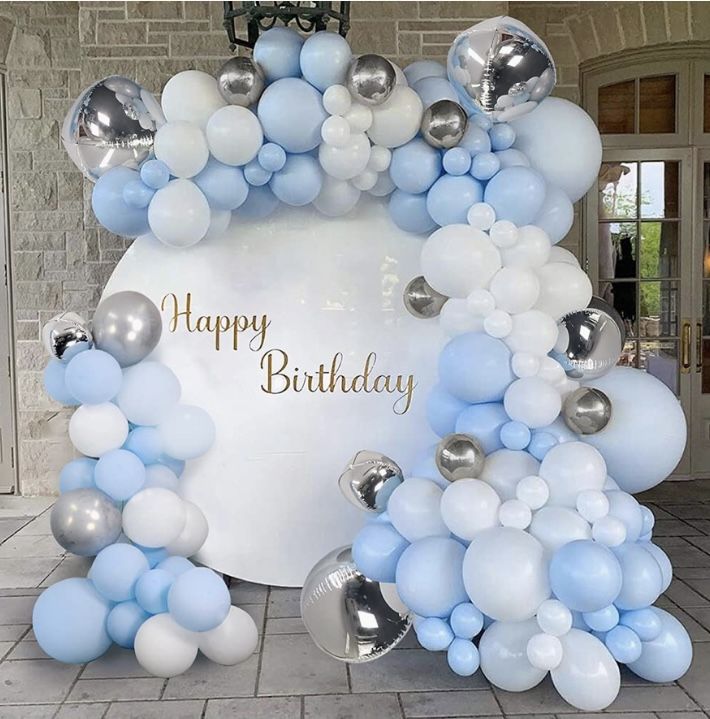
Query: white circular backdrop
[[269, 486]]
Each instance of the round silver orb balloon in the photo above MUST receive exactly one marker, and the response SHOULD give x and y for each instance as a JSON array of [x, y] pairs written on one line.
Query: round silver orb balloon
[[84, 521], [586, 410], [65, 335], [444, 124], [501, 68], [348, 615], [371, 79], [422, 300], [590, 340], [459, 456], [127, 325], [111, 124], [240, 81], [369, 480]]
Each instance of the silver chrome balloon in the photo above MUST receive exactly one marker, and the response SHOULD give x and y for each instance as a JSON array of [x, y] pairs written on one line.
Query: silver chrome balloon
[[459, 456], [369, 479], [587, 410], [590, 340], [501, 68], [127, 325], [240, 81], [347, 614], [111, 124], [371, 79], [84, 521], [422, 300], [444, 124], [66, 335]]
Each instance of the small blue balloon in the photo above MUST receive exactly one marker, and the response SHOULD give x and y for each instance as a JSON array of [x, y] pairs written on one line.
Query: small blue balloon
[[255, 174], [603, 620], [485, 123], [376, 550], [111, 209], [124, 621], [484, 165], [484, 421], [516, 194], [277, 52], [645, 622], [116, 570], [425, 467], [176, 565], [260, 203], [475, 139], [93, 377], [624, 644], [418, 69], [450, 198], [433, 89], [540, 444], [152, 590], [512, 158], [199, 600], [515, 435], [415, 166], [463, 657], [120, 474], [223, 185], [176, 465], [325, 57], [145, 443], [155, 174], [434, 634], [457, 161], [442, 409], [77, 474], [137, 194], [502, 136], [409, 212], [55, 385], [643, 580], [154, 555], [271, 157], [466, 621], [299, 182], [556, 214], [648, 520]]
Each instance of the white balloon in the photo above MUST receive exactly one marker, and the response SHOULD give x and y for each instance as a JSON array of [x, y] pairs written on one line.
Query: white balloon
[[234, 135], [182, 147], [515, 289], [560, 254], [179, 214], [345, 161], [504, 468], [468, 506], [366, 180], [554, 618], [219, 222], [532, 248], [498, 324], [556, 526], [622, 506], [380, 158], [158, 475], [154, 517], [503, 233], [563, 288], [164, 648], [505, 573], [456, 319], [337, 100], [533, 332], [480, 302], [551, 371], [588, 676], [191, 96], [592, 504], [335, 130], [569, 469], [525, 364], [413, 508], [396, 121], [515, 513], [533, 491], [336, 197], [359, 117], [609, 531], [233, 641], [95, 429], [544, 651], [532, 401], [384, 185], [194, 533], [482, 216]]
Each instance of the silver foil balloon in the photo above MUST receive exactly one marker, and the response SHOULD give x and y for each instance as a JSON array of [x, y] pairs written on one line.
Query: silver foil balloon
[[459, 456], [240, 81], [111, 124], [422, 300], [369, 480], [501, 68], [127, 325], [444, 123], [371, 79], [590, 340], [586, 410], [65, 335], [84, 521], [347, 614]]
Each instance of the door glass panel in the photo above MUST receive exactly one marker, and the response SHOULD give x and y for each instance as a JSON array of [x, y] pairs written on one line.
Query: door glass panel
[[658, 308], [619, 190], [660, 358], [617, 250], [706, 367], [659, 189], [622, 296], [659, 250], [706, 115], [703, 362], [617, 108], [657, 104]]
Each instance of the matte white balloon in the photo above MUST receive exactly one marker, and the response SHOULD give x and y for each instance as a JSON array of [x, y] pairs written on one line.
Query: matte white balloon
[[163, 648], [345, 161], [95, 429], [569, 469], [413, 509], [191, 96], [179, 214], [337, 100], [456, 319], [609, 531], [533, 491], [515, 513], [533, 332], [234, 135], [337, 197], [193, 534], [154, 517], [468, 506], [554, 617], [592, 504], [504, 468], [560, 254], [182, 147], [396, 121], [564, 288], [515, 289], [233, 641], [544, 651], [532, 401], [531, 249], [556, 526]]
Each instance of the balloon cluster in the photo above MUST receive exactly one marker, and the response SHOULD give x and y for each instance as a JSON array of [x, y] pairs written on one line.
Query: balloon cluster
[[121, 503]]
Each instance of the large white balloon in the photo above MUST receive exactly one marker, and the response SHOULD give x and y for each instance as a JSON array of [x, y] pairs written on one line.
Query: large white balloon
[[182, 147], [563, 288], [396, 121], [346, 161], [504, 468], [571, 468], [154, 517], [515, 289], [234, 135], [191, 96], [97, 428], [469, 506], [533, 332], [193, 534], [531, 249], [179, 214], [164, 648], [532, 401], [562, 143], [233, 641], [554, 527], [414, 509]]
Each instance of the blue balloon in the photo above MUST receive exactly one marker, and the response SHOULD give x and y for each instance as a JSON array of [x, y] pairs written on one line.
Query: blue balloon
[[541, 443], [484, 165], [93, 377], [450, 198], [485, 123], [418, 69], [645, 622], [54, 384], [603, 620], [124, 621], [624, 644], [271, 157], [137, 194], [176, 465], [69, 621], [224, 186], [484, 422], [430, 577], [325, 57], [415, 166], [643, 580], [176, 565], [463, 657], [457, 161], [277, 52], [425, 467], [154, 555], [516, 194], [556, 214], [442, 409], [475, 368], [155, 174], [376, 550], [116, 570], [256, 175], [111, 209], [466, 621], [512, 158], [515, 435], [291, 113], [434, 634], [433, 89], [648, 520], [409, 212], [152, 590], [260, 203], [663, 562], [585, 575], [120, 474], [626, 509], [502, 136], [475, 139], [145, 443], [77, 474], [299, 182], [199, 600]]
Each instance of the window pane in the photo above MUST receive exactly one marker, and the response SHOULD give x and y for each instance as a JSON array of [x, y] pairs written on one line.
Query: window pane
[[706, 367], [659, 250], [617, 108], [706, 309], [706, 113], [659, 189], [629, 355], [658, 309], [622, 295], [660, 359], [617, 250], [657, 104], [618, 184]]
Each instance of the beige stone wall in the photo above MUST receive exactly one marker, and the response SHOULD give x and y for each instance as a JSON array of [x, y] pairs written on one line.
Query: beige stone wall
[[61, 259]]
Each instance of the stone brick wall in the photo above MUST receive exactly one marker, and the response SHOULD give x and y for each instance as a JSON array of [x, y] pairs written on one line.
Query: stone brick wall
[[61, 259]]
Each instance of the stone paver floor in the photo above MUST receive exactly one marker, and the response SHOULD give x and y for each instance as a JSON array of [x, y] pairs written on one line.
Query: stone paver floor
[[288, 678]]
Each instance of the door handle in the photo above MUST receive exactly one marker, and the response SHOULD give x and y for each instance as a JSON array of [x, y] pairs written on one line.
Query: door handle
[[685, 348], [699, 347]]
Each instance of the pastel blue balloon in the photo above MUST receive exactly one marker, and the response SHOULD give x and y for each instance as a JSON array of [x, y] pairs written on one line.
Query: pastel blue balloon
[[93, 377], [484, 165], [145, 443], [111, 209], [485, 123], [516, 194], [325, 57], [415, 71], [260, 203], [116, 570], [541, 443], [425, 467], [120, 474], [463, 657], [603, 620], [69, 621], [434, 634], [648, 520], [137, 194], [77, 474], [299, 182], [291, 113], [466, 621], [626, 509], [457, 161], [152, 590], [277, 52], [585, 575], [176, 565], [376, 550], [54, 384], [223, 185], [663, 562], [512, 158], [154, 555], [409, 212], [176, 465], [442, 409], [515, 435], [556, 214], [484, 422], [155, 174], [475, 368], [415, 166], [124, 621], [450, 198], [430, 576], [475, 139], [624, 644], [271, 157], [433, 89], [502, 136], [645, 622], [255, 174], [643, 580], [199, 600]]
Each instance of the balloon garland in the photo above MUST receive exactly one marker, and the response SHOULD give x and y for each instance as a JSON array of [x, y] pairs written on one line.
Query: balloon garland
[[510, 547]]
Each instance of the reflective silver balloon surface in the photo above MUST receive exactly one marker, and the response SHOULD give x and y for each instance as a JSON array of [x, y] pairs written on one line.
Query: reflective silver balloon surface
[[111, 124], [369, 480], [586, 410], [444, 124], [347, 614], [371, 79], [422, 300], [459, 456], [65, 335], [240, 81]]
